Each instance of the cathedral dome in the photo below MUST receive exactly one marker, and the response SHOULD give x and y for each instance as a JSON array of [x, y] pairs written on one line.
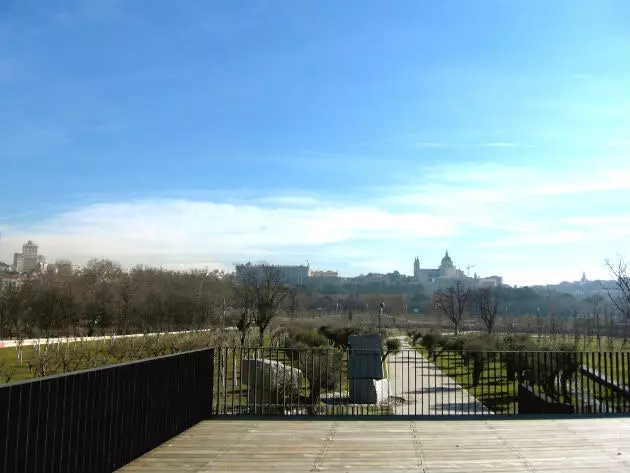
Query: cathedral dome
[[447, 262]]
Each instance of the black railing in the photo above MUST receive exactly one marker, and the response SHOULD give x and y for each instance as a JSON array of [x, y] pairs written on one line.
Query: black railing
[[331, 381], [100, 419]]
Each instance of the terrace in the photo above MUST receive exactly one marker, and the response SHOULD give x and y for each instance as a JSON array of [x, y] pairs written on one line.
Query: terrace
[[264, 409]]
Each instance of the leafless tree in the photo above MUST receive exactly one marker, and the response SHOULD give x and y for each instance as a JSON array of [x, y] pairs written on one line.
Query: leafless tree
[[269, 293], [620, 297], [451, 303], [487, 302], [260, 294], [244, 298]]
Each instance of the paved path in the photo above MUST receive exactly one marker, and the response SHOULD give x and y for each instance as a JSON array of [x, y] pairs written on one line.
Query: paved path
[[425, 389]]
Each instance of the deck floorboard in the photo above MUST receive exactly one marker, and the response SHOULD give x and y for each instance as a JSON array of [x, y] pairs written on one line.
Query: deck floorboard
[[333, 446]]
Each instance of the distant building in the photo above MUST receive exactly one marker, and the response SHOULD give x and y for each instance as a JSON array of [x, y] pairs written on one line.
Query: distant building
[[446, 270], [484, 283], [29, 253], [28, 261], [296, 275], [18, 262], [61, 267], [10, 280], [324, 274]]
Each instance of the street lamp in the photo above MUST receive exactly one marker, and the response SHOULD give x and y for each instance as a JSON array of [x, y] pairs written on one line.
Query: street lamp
[[380, 314]]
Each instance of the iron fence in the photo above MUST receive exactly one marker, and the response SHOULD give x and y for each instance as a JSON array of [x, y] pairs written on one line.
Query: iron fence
[[100, 419], [331, 381]]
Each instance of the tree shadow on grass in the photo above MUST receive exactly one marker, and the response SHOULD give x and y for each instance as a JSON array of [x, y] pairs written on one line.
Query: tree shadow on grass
[[435, 389], [499, 403]]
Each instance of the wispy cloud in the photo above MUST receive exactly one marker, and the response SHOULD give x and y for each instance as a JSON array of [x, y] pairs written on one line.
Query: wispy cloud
[[188, 230], [487, 207]]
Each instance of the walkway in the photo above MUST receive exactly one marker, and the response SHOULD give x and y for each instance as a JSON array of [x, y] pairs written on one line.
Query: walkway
[[423, 389], [465, 446]]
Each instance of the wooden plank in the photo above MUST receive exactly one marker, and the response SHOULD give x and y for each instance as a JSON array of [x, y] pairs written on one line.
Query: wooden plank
[[470, 446]]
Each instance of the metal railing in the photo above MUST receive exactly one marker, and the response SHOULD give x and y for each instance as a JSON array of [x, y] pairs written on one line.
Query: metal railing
[[101, 419], [342, 382]]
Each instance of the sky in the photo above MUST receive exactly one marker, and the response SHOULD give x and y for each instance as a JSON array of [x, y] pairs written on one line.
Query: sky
[[355, 135]]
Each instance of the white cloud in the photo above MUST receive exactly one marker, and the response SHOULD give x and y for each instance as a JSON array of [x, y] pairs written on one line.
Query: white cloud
[[291, 200], [178, 231], [477, 212]]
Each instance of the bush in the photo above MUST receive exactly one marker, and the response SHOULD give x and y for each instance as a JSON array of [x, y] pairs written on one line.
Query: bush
[[517, 343], [415, 336], [323, 369], [309, 337], [340, 337], [392, 346], [432, 341]]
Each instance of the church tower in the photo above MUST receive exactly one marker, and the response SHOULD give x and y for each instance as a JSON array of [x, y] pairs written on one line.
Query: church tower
[[416, 269]]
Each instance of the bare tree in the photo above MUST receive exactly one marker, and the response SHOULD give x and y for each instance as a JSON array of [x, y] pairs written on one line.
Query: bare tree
[[270, 292], [487, 302], [243, 298], [620, 297], [451, 303], [261, 292]]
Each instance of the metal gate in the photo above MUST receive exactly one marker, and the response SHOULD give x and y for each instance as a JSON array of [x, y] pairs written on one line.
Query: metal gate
[[347, 382]]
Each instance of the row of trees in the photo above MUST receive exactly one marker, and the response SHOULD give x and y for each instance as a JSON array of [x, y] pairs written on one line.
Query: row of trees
[[104, 298], [484, 304]]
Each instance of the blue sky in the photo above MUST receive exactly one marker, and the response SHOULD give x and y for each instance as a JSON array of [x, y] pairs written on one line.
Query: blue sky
[[354, 136]]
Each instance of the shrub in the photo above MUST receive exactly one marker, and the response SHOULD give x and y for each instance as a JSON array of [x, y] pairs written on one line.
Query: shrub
[[322, 368], [517, 343], [432, 341], [392, 346], [340, 337], [310, 337], [415, 336]]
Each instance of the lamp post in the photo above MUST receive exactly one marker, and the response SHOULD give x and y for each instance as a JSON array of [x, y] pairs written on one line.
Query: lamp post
[[380, 314]]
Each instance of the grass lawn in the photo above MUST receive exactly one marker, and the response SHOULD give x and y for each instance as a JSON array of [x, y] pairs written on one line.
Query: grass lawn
[[11, 367], [499, 393], [494, 390]]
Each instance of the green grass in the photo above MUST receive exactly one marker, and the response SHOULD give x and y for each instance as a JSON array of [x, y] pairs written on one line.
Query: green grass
[[500, 394], [73, 356], [494, 390], [585, 344], [10, 368]]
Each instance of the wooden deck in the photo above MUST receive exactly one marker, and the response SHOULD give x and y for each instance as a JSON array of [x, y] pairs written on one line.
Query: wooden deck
[[466, 446]]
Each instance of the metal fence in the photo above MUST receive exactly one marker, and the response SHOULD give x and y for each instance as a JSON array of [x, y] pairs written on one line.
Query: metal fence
[[330, 381], [100, 419]]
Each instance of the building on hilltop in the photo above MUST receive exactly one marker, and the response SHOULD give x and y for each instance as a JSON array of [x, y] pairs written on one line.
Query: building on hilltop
[[288, 274], [446, 273], [446, 270], [324, 274]]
